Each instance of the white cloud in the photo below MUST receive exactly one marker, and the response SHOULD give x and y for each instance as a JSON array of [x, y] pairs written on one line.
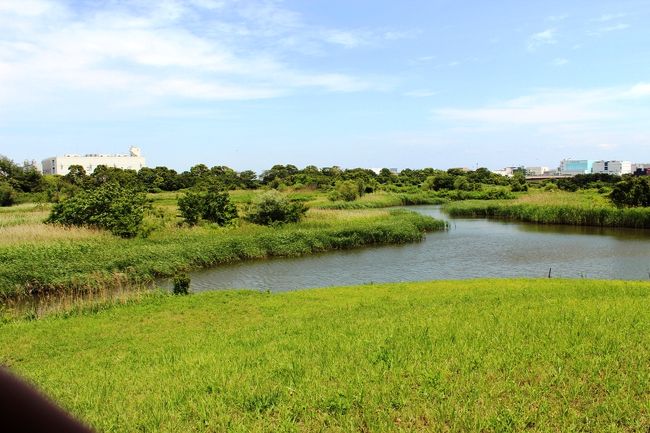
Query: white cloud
[[607, 29], [557, 18], [421, 93], [158, 49], [537, 40], [554, 107], [560, 61], [609, 17], [347, 39]]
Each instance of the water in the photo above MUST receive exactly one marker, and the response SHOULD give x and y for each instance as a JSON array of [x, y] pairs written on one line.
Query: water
[[471, 248]]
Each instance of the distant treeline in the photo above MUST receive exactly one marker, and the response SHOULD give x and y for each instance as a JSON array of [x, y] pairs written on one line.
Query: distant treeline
[[453, 183]]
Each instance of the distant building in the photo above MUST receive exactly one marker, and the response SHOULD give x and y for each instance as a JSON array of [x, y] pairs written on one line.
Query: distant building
[[506, 171], [536, 171], [572, 167], [612, 167], [393, 170], [61, 164]]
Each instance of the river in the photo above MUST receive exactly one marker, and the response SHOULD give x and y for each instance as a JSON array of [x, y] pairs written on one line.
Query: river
[[471, 248]]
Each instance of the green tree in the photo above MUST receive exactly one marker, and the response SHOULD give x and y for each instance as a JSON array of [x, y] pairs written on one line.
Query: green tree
[[631, 192], [347, 190], [110, 206], [212, 205], [273, 208], [7, 194]]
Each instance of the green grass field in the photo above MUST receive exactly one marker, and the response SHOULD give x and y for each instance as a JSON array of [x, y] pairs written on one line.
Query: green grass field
[[463, 356]]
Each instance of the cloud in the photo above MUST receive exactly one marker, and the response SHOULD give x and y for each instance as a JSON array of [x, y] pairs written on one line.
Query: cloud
[[554, 107], [421, 93], [560, 61], [607, 29], [537, 40], [557, 18], [204, 50], [609, 17]]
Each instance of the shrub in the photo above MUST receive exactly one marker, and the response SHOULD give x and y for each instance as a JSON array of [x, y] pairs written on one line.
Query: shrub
[[110, 206], [347, 190], [212, 205], [181, 284], [7, 194], [274, 208], [631, 192]]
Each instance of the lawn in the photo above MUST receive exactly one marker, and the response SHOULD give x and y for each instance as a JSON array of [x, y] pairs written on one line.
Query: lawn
[[463, 356]]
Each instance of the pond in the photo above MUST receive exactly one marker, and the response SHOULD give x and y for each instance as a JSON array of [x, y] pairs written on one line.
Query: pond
[[471, 248]]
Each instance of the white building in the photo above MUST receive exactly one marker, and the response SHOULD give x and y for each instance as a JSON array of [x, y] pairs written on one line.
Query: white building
[[612, 167], [61, 164], [506, 171], [536, 171]]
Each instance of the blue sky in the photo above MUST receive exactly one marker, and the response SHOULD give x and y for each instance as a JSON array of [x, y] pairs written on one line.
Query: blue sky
[[249, 84]]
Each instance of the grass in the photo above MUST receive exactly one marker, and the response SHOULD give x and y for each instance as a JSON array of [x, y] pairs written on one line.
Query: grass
[[378, 200], [585, 209], [88, 261], [464, 356]]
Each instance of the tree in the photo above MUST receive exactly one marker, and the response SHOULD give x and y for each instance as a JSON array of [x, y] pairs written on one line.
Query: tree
[[7, 194], [109, 206], [631, 192], [212, 205], [273, 208], [347, 190], [76, 175]]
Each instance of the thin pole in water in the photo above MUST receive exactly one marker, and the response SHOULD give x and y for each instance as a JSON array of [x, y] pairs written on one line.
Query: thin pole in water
[[549, 272]]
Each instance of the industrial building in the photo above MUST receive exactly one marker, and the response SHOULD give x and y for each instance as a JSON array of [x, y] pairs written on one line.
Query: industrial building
[[612, 167], [571, 167], [61, 164]]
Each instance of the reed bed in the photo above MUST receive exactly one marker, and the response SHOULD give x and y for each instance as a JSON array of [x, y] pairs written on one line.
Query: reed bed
[[579, 215], [39, 233], [85, 264]]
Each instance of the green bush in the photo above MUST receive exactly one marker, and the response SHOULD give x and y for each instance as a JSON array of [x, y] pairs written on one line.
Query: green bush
[[181, 284], [274, 208], [110, 206], [347, 190], [631, 192], [7, 194], [212, 205]]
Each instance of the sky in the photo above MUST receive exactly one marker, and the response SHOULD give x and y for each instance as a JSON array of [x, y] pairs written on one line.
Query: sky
[[353, 83]]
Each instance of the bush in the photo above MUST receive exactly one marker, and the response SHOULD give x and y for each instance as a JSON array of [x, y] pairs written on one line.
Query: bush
[[181, 284], [7, 194], [110, 206], [347, 190], [274, 208], [212, 205], [631, 192]]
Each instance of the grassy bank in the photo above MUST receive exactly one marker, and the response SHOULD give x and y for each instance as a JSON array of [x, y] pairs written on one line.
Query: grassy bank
[[92, 260], [555, 208], [470, 356]]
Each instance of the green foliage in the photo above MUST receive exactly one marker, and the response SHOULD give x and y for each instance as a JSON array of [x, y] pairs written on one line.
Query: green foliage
[[518, 182], [274, 208], [631, 192], [181, 284], [554, 214], [212, 205], [7, 194], [346, 190], [110, 207], [87, 264]]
